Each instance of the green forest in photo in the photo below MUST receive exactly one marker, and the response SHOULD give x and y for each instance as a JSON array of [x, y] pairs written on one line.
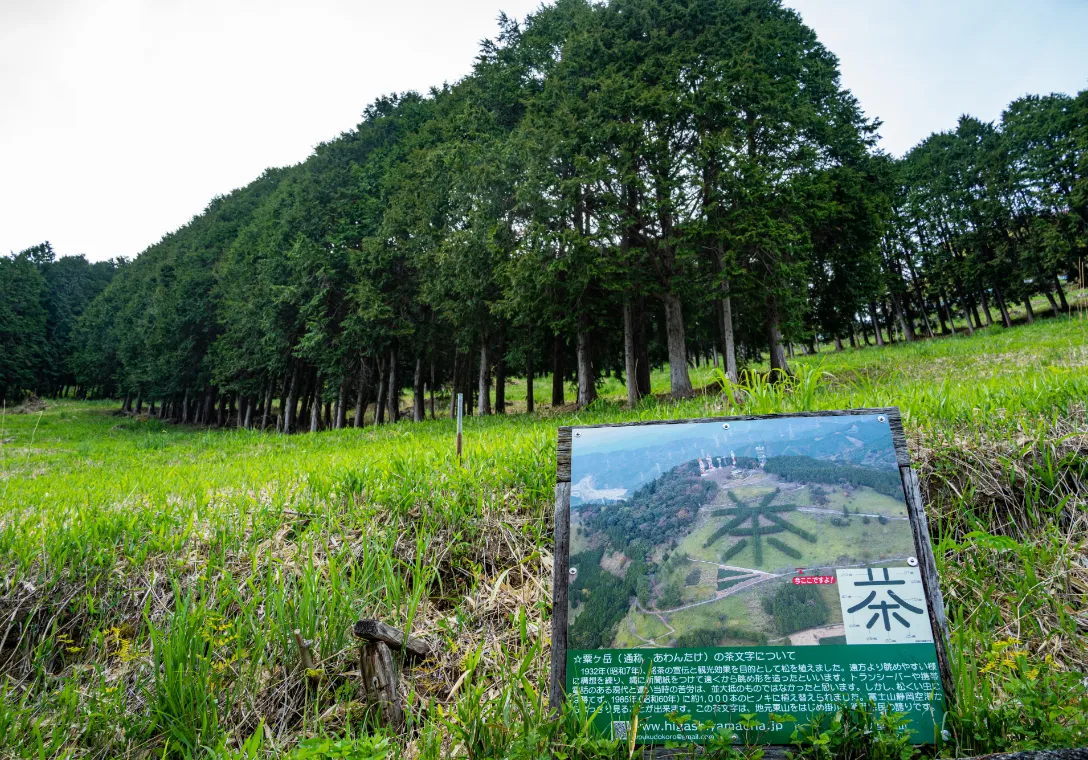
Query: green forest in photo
[[217, 455]]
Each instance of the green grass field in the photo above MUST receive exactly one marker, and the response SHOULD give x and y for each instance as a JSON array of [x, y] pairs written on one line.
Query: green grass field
[[152, 575], [855, 541]]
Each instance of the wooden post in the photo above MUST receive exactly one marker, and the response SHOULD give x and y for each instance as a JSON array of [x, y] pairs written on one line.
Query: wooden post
[[560, 572], [460, 415], [378, 668], [304, 650], [380, 681]]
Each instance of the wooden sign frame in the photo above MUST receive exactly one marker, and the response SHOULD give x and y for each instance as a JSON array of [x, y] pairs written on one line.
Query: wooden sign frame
[[915, 511]]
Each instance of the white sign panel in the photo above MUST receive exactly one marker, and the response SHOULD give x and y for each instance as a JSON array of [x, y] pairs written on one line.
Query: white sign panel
[[884, 605]]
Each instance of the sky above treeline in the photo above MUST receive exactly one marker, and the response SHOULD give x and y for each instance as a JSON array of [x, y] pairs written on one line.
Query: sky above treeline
[[121, 119]]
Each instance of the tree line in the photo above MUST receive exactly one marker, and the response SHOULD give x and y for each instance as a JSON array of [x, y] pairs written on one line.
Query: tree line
[[796, 608], [42, 299], [615, 186], [801, 469]]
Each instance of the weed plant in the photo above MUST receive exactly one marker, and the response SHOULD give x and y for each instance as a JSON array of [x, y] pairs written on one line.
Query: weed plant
[[152, 576]]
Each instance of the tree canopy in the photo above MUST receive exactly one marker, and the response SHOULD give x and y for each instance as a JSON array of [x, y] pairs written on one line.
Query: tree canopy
[[615, 185]]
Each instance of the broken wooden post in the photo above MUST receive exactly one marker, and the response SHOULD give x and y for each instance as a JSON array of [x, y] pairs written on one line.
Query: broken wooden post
[[378, 669], [304, 651]]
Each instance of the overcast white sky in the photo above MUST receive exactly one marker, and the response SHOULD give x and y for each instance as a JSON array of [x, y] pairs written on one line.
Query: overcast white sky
[[120, 119]]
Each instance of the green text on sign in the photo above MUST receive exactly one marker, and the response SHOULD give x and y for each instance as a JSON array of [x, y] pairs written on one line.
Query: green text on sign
[[721, 685]]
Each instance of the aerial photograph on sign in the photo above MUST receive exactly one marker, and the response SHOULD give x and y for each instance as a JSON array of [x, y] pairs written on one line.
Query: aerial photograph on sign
[[772, 532]]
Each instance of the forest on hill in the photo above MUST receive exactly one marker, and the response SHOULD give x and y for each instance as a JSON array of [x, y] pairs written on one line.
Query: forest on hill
[[662, 510], [41, 301], [615, 186], [795, 469]]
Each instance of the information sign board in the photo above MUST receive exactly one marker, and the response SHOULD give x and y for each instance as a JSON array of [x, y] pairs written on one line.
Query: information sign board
[[776, 567]]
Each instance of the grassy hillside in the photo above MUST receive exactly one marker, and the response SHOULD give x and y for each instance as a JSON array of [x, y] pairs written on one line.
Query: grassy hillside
[[151, 576]]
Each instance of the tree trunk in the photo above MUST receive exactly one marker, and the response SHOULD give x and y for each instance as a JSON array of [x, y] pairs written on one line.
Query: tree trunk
[[281, 413], [484, 385], [587, 389], [889, 322], [528, 380], [454, 375], [925, 319], [725, 329], [642, 351], [1061, 294], [302, 414], [940, 315], [209, 407], [418, 410], [904, 323], [500, 374], [629, 356], [468, 384], [455, 382], [140, 404], [974, 312], [430, 388], [1028, 309], [876, 324], [1053, 304], [774, 337], [679, 380], [986, 307], [241, 418], [315, 410], [267, 408], [999, 296], [362, 393], [341, 404], [327, 422], [948, 313], [379, 412], [393, 387], [248, 422], [557, 372], [966, 314], [838, 343]]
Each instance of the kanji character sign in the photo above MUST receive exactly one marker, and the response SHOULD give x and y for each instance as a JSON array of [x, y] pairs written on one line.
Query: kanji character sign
[[884, 605]]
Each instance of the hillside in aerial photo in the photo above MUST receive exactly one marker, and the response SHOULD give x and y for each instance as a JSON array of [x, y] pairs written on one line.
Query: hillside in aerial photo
[[704, 551]]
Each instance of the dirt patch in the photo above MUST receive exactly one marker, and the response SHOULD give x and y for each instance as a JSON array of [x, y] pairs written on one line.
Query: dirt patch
[[615, 563], [812, 636]]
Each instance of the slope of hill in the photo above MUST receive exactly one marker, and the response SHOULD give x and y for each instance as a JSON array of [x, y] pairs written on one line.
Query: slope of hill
[[152, 575]]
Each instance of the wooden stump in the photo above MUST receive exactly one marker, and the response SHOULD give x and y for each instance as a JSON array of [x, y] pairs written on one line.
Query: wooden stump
[[379, 668], [380, 681]]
